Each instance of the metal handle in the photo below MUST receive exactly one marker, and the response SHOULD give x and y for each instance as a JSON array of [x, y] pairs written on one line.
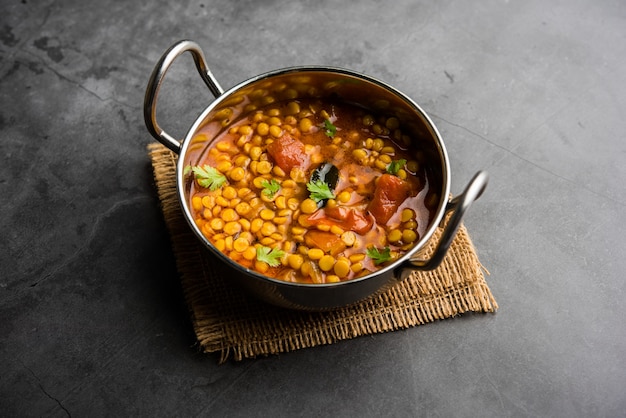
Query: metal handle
[[156, 79], [459, 205]]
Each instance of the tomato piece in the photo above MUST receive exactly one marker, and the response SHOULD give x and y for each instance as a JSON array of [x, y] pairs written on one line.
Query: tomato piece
[[348, 219], [288, 153], [325, 241], [390, 192]]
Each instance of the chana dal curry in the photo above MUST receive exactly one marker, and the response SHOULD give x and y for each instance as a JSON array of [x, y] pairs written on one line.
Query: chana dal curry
[[311, 190]]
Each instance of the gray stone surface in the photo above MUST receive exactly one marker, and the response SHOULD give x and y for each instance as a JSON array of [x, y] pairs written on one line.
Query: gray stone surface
[[92, 320]]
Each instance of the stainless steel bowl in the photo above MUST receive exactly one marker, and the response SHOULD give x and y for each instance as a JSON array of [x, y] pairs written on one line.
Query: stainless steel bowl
[[338, 84]]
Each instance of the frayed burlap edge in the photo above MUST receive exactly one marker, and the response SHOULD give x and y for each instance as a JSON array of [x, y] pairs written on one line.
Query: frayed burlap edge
[[229, 322]]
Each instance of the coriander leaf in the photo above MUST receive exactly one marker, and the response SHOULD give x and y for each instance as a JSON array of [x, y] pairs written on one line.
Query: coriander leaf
[[186, 170], [394, 166], [319, 191], [270, 188], [329, 129], [379, 256], [208, 177], [269, 255]]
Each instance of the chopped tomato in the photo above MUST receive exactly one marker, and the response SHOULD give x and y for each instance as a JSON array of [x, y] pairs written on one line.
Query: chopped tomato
[[288, 153], [348, 219], [325, 241], [390, 192]]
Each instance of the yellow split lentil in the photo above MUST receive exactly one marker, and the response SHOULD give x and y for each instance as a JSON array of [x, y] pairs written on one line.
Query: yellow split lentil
[[265, 217]]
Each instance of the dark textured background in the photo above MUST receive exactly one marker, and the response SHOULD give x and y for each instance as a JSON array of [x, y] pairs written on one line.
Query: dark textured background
[[92, 320]]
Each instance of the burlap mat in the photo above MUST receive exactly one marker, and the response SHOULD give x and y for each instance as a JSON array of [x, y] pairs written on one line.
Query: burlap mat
[[236, 325]]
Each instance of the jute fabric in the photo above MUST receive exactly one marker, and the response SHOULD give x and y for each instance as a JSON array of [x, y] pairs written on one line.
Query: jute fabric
[[235, 325]]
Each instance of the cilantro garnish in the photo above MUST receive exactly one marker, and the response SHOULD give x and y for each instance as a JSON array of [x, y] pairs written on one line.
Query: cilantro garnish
[[269, 255], [208, 177], [319, 191], [379, 256], [270, 187], [329, 129], [396, 165]]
